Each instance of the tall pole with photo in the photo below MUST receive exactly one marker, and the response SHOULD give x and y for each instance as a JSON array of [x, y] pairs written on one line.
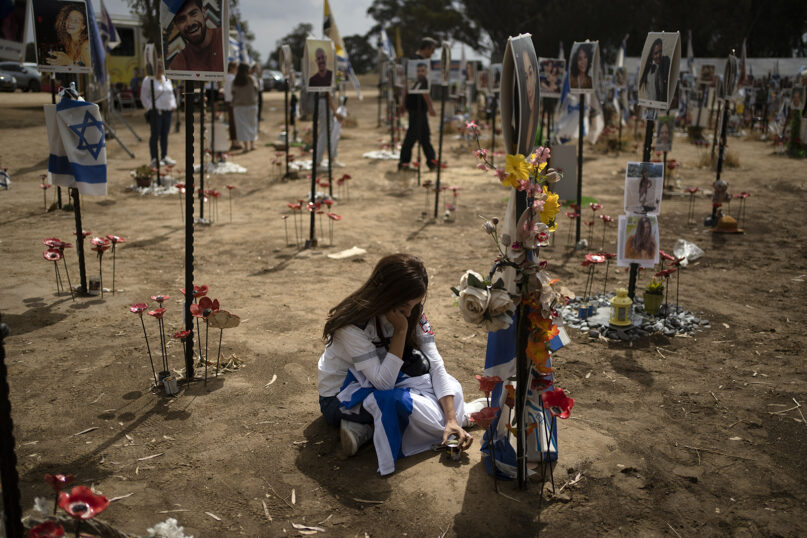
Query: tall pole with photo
[[445, 69], [285, 66]]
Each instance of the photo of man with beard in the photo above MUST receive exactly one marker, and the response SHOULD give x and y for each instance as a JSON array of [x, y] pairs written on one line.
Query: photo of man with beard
[[203, 50]]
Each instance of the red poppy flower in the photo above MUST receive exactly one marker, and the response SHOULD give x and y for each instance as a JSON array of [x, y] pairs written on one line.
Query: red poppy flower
[[182, 334], [606, 218], [595, 206], [345, 177], [180, 186], [426, 184], [198, 291], [692, 190], [48, 529], [557, 402], [205, 307], [138, 308], [45, 186], [334, 216], [576, 207], [99, 241], [572, 214], [230, 187], [82, 503], [488, 383], [666, 272], [454, 188], [59, 481], [157, 313], [743, 195], [328, 202], [52, 254], [510, 401], [484, 417], [294, 207], [160, 298], [54, 242], [595, 258], [665, 255], [541, 383], [214, 193]]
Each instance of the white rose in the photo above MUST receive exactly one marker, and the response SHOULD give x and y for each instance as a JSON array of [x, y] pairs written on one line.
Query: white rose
[[498, 323], [473, 303], [500, 302], [464, 279]]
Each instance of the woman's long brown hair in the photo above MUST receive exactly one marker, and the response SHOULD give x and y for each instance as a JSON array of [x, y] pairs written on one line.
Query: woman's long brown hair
[[395, 280], [61, 31]]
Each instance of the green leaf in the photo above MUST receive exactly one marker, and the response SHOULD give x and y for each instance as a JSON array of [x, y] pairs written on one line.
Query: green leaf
[[475, 282], [498, 285], [455, 290]]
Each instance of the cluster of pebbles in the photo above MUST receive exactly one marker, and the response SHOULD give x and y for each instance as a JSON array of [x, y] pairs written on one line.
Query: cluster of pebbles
[[669, 320]]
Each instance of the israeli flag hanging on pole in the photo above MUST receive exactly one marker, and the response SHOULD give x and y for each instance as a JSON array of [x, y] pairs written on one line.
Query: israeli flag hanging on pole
[[243, 53], [97, 50], [77, 146], [386, 45]]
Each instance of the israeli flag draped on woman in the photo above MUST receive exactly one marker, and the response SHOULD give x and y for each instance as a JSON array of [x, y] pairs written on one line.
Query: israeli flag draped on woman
[[77, 146]]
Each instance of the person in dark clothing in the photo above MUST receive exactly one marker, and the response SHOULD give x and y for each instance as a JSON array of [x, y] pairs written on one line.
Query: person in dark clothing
[[419, 107]]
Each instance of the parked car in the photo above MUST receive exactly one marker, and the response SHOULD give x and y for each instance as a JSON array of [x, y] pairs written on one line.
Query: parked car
[[28, 78], [272, 80], [8, 83]]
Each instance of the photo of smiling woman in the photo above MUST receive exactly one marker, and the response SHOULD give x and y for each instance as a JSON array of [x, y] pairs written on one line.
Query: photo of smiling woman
[[63, 44], [581, 68], [638, 240], [193, 45], [526, 64]]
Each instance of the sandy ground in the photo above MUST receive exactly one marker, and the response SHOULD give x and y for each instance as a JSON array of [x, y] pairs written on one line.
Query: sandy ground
[[673, 436]]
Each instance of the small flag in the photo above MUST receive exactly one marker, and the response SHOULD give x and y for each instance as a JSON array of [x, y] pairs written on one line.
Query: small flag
[[97, 50], [109, 34], [386, 45]]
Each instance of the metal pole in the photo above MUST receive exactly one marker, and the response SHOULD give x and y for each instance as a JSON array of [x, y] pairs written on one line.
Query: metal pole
[[53, 102], [311, 241], [419, 126], [522, 371], [213, 91], [328, 135], [720, 106], [723, 130], [286, 116], [664, 185], [201, 151], [580, 114], [189, 191], [82, 270], [12, 511], [440, 151], [492, 131]]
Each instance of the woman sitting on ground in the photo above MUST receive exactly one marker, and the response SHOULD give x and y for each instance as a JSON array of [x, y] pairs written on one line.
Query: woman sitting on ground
[[381, 369]]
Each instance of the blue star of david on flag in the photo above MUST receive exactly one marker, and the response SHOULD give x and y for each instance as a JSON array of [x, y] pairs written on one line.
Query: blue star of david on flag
[[84, 144]]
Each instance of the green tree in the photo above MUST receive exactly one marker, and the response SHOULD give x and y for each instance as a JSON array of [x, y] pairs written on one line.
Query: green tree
[[296, 41], [363, 55]]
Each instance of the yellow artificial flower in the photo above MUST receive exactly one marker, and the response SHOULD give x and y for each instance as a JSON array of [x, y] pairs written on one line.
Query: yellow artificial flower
[[517, 170], [550, 210]]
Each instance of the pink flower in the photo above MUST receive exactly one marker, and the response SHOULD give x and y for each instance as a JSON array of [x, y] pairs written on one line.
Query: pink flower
[[481, 153], [160, 298], [230, 187], [115, 239], [692, 190], [138, 308], [52, 254], [595, 258], [472, 126], [595, 206], [540, 156], [501, 173], [157, 313], [572, 214], [482, 166]]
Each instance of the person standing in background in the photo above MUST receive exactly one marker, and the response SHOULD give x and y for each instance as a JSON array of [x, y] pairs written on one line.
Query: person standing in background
[[419, 107], [245, 107], [163, 106], [232, 67], [256, 72]]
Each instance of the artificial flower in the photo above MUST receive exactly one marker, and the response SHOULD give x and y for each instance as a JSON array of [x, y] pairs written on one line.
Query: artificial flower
[[572, 215], [115, 239], [529, 230], [499, 322], [481, 153], [541, 383], [181, 335], [334, 216], [665, 255], [473, 304], [489, 227], [198, 291], [230, 187], [595, 206], [59, 481], [666, 272], [510, 401], [550, 210], [205, 307], [138, 308], [606, 218], [157, 313], [558, 403], [552, 176], [544, 329], [692, 190], [485, 417], [82, 503], [539, 157], [487, 383], [538, 354], [501, 173], [517, 170], [160, 298], [47, 529], [512, 429], [52, 254], [593, 258]]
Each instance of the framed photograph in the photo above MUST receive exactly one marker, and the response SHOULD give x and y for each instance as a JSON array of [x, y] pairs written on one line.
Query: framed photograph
[[707, 75], [285, 61], [455, 89], [482, 79], [658, 69], [319, 61], [194, 36], [638, 240], [620, 77], [495, 77], [550, 75], [470, 74], [12, 30], [664, 133], [62, 36], [644, 183], [730, 77], [797, 98], [584, 67], [445, 63], [417, 76], [529, 94]]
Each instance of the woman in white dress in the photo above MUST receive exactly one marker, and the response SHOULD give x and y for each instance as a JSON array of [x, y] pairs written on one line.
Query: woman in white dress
[[245, 107], [381, 375]]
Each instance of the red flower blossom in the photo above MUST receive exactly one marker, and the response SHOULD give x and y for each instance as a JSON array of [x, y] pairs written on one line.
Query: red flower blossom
[[743, 195], [595, 258], [138, 308], [54, 242], [205, 307], [157, 313], [666, 272], [230, 187], [115, 239], [557, 402], [572, 214], [84, 233], [606, 218], [48, 529], [576, 207], [484, 417], [294, 207], [160, 298], [59, 481], [488, 383], [692, 190], [182, 334], [541, 383], [82, 503], [328, 202], [198, 291], [510, 401], [45, 186], [100, 244], [52, 254], [334, 216], [595, 206], [665, 255], [345, 177]]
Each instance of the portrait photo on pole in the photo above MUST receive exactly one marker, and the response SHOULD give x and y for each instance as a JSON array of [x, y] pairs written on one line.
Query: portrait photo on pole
[[526, 67], [12, 30], [550, 75], [797, 98], [584, 71], [470, 74], [638, 240], [194, 34], [620, 77], [495, 77], [730, 78], [399, 74], [664, 133], [644, 183], [445, 63], [658, 69], [417, 76], [284, 62], [319, 62], [707, 75], [482, 79], [62, 36]]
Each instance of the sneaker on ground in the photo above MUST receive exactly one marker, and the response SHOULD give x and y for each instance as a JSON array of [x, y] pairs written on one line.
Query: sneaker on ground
[[154, 163], [353, 435], [169, 161]]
